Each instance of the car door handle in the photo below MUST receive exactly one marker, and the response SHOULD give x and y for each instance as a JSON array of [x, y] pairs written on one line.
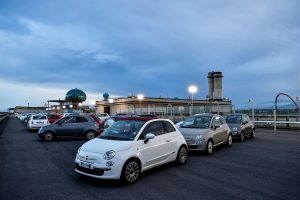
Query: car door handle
[[168, 140]]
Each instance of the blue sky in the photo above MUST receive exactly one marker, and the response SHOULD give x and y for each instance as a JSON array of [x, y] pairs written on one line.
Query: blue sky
[[157, 48]]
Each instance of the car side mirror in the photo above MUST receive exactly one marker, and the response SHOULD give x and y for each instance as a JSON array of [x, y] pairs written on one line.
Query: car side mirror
[[106, 126], [216, 126], [148, 137]]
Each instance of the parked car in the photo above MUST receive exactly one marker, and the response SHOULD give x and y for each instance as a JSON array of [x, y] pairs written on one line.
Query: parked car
[[68, 114], [70, 126], [93, 116], [205, 131], [53, 117], [240, 126], [102, 116], [129, 147], [37, 121]]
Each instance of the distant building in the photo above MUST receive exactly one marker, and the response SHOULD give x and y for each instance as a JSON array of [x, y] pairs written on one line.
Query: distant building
[[215, 85], [27, 109]]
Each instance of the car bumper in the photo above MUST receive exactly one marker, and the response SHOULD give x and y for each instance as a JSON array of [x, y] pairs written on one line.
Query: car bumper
[[235, 134], [100, 171]]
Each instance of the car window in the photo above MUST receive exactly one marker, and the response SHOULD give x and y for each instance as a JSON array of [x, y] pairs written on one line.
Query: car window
[[70, 119], [234, 119], [168, 127], [216, 121], [155, 128], [201, 122], [222, 120], [81, 119], [39, 117]]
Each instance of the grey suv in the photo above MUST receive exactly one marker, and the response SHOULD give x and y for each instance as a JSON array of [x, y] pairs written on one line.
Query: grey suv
[[240, 126], [72, 126], [205, 131]]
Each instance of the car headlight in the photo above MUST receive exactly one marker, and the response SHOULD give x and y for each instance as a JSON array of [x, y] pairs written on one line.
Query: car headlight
[[234, 128], [109, 155], [198, 137]]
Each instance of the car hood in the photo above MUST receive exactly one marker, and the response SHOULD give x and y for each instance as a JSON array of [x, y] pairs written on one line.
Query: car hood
[[232, 125], [193, 131], [99, 145]]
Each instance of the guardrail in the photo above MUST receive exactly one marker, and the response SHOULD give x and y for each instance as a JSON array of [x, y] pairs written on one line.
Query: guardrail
[[278, 124], [3, 116]]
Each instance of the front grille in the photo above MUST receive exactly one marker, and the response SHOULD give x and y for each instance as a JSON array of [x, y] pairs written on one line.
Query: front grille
[[95, 171]]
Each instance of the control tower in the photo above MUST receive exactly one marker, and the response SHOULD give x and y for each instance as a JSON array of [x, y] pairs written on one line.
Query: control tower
[[215, 85]]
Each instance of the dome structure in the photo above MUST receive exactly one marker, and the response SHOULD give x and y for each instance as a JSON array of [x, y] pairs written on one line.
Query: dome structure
[[75, 96], [105, 96]]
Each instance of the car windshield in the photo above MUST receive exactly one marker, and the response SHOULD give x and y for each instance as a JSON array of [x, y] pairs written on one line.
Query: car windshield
[[196, 122], [109, 122], [122, 130], [39, 117], [233, 119]]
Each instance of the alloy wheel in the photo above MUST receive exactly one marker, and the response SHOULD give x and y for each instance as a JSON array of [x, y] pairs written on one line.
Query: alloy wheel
[[182, 155], [90, 135], [48, 136], [132, 171]]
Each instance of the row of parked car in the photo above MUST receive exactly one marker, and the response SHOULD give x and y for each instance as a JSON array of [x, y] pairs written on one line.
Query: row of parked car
[[128, 145]]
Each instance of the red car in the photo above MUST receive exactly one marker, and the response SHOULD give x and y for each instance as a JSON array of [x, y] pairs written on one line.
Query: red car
[[53, 117], [93, 116]]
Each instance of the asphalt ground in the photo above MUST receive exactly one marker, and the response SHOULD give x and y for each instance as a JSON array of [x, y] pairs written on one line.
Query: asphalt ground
[[267, 167]]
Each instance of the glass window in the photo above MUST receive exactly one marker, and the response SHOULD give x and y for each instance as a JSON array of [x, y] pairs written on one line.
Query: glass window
[[122, 130], [70, 119], [201, 122], [216, 121], [168, 127], [155, 128], [81, 119], [39, 117], [222, 120], [233, 119]]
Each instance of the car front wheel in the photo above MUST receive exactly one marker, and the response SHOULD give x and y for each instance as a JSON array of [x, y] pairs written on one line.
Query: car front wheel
[[242, 137], [131, 171]]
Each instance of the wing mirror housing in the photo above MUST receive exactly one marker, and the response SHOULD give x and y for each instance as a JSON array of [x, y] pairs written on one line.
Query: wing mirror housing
[[148, 137], [216, 126]]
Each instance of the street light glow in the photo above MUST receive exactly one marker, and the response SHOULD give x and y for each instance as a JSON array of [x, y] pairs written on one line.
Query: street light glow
[[71, 106], [64, 107], [193, 89], [110, 100], [93, 102], [80, 104], [140, 97]]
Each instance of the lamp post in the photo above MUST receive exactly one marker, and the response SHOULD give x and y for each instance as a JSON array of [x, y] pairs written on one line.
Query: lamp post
[[192, 89], [252, 104], [140, 98]]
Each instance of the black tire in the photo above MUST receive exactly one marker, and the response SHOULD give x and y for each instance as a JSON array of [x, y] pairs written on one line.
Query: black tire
[[229, 140], [49, 136], [131, 171], [90, 135], [252, 135], [209, 147], [181, 155], [242, 137]]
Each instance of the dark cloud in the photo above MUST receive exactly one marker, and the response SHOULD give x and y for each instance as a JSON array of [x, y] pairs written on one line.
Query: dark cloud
[[154, 48]]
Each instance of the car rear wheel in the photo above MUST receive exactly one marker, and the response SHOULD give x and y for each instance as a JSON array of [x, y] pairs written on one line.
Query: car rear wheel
[[209, 147], [49, 136], [252, 135], [229, 140], [90, 135], [242, 137], [131, 171], [182, 155]]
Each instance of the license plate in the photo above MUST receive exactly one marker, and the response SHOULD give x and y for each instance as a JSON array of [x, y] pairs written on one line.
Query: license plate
[[39, 122], [86, 165]]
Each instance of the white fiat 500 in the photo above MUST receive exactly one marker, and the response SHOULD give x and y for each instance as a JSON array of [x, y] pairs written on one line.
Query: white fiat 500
[[129, 147]]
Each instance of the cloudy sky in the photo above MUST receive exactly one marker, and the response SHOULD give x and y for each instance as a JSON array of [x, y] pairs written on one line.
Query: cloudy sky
[[157, 48]]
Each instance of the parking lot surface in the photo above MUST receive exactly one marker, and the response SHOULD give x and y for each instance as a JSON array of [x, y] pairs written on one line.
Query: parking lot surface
[[267, 167]]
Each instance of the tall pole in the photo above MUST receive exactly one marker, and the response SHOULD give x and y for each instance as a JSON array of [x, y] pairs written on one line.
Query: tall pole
[[192, 112], [275, 123]]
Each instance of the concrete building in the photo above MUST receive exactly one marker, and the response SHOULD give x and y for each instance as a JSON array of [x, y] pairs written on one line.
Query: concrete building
[[215, 85]]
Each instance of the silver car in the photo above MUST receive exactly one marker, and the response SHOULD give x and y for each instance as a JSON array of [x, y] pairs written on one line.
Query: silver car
[[205, 131]]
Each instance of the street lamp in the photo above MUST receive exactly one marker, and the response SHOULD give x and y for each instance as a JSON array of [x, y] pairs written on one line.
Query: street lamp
[[192, 89], [71, 106], [252, 103], [140, 98], [64, 107]]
